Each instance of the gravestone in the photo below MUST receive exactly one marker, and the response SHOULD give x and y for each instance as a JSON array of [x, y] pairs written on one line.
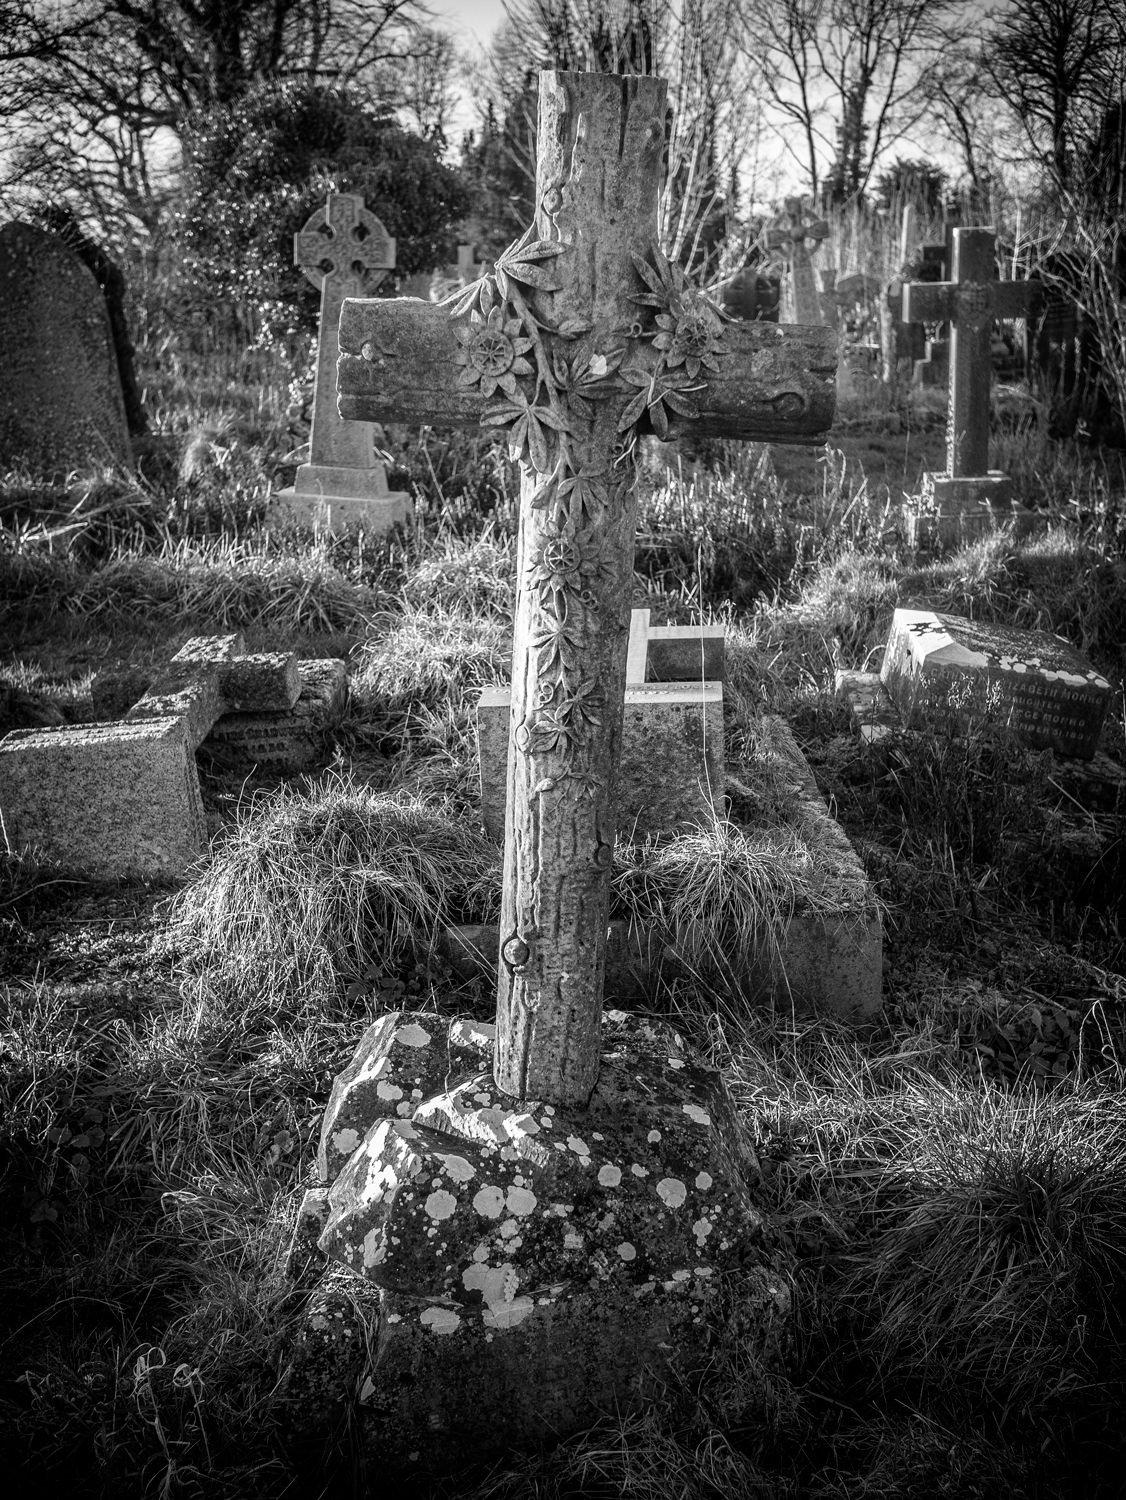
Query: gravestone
[[61, 406], [123, 799], [670, 774], [535, 1221], [343, 250], [968, 497], [801, 299], [940, 669]]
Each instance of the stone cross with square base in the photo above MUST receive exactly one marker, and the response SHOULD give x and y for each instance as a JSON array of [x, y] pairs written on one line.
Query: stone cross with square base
[[583, 338], [792, 237], [343, 250], [969, 303]]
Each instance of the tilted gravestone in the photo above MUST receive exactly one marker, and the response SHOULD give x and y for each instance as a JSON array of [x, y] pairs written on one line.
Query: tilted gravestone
[[547, 1211], [343, 250], [942, 670], [123, 799], [968, 497], [61, 406], [802, 303]]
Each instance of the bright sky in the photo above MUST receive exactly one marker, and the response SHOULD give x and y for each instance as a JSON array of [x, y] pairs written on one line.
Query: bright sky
[[475, 20]]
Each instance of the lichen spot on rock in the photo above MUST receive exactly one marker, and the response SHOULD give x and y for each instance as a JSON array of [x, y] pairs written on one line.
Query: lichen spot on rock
[[520, 1200], [703, 1181], [374, 1250], [345, 1141], [697, 1115], [627, 1251], [440, 1320], [572, 1240], [523, 1125], [578, 1146], [386, 1090], [509, 1230], [441, 1204], [671, 1191], [701, 1229], [653, 1137], [638, 1170], [472, 1033], [609, 1175], [413, 1035], [457, 1168], [676, 1062], [489, 1202], [507, 1314]]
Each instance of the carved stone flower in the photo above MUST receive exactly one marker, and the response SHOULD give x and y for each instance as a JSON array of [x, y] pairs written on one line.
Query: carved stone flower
[[491, 352], [559, 563], [689, 335]]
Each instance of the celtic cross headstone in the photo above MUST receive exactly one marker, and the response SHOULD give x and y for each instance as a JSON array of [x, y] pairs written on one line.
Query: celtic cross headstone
[[344, 251], [584, 337], [792, 237]]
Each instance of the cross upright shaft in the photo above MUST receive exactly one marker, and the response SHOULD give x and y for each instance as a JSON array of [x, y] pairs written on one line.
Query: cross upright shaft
[[564, 349]]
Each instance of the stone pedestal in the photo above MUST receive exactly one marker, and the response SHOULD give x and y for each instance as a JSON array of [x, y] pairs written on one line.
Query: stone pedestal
[[952, 509], [333, 497], [533, 1266]]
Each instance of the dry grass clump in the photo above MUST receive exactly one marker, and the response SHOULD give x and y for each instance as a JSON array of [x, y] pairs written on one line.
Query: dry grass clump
[[313, 885], [429, 656], [453, 573]]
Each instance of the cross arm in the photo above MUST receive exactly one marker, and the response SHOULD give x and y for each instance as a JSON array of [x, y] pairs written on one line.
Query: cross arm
[[929, 301], [398, 363]]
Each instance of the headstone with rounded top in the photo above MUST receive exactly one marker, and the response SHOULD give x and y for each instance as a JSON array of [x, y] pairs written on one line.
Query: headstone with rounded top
[[61, 406], [345, 251]]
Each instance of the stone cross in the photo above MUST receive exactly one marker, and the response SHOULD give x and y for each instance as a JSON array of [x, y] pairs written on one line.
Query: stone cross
[[343, 250], [583, 338], [792, 238], [969, 302]]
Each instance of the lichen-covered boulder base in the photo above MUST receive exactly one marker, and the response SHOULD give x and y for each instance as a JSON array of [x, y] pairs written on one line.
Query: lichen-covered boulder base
[[525, 1266]]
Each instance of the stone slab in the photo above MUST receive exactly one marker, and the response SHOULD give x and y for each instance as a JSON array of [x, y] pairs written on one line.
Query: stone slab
[[341, 512], [285, 742], [61, 406], [942, 669], [113, 800], [673, 653], [671, 766], [951, 511]]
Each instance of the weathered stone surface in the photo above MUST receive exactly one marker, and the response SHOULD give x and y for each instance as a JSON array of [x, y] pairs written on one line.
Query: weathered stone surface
[[945, 671], [61, 406], [671, 766], [285, 743], [674, 653], [401, 1059], [537, 1264], [110, 799], [211, 674]]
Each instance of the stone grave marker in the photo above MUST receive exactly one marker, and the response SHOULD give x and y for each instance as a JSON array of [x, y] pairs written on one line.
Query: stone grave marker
[[123, 799], [670, 774], [61, 406], [968, 497], [543, 1230], [942, 669], [343, 250], [804, 303]]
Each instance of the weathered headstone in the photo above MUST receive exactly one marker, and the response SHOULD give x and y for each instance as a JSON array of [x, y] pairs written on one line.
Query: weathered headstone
[[942, 670], [670, 774], [61, 406], [123, 799], [968, 497], [525, 1224], [343, 250], [802, 302]]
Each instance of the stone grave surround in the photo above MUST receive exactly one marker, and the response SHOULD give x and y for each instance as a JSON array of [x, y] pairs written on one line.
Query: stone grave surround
[[969, 497], [343, 250], [61, 406], [122, 799], [946, 672], [583, 338]]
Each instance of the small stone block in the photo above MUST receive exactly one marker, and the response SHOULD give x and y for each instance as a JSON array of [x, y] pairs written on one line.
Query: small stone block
[[671, 767], [285, 743], [111, 799], [264, 681], [942, 669]]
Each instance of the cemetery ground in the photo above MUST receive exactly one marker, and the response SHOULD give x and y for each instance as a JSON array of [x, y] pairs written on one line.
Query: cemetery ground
[[950, 1174]]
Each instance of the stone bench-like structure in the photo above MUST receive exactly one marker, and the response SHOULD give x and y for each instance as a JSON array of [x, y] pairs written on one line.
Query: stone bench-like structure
[[122, 799]]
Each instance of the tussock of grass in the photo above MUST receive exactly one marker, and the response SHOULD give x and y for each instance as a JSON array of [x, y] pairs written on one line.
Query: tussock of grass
[[429, 656], [475, 575], [313, 885]]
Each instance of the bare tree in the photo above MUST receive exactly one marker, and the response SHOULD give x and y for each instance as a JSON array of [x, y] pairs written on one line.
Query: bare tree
[[849, 76]]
